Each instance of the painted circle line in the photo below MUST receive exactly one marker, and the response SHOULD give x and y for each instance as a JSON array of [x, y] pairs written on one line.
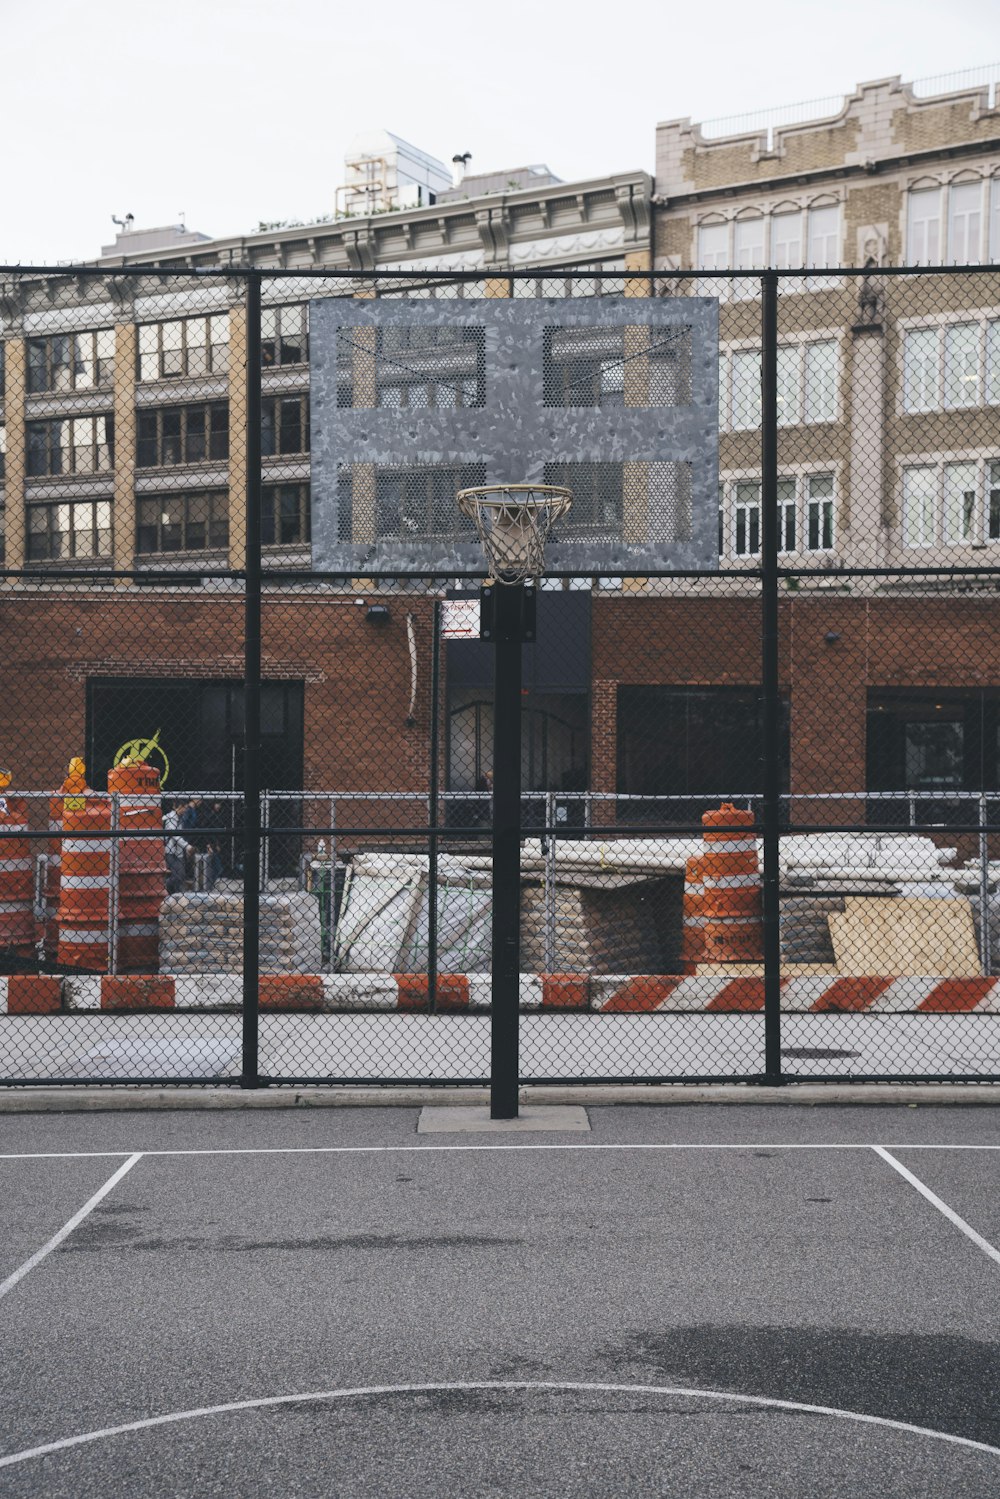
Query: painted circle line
[[589, 1387]]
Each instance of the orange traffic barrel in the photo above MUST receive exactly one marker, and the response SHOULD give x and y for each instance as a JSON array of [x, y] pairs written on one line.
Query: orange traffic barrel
[[17, 918], [732, 905], [85, 883], [142, 866], [53, 863], [693, 935]]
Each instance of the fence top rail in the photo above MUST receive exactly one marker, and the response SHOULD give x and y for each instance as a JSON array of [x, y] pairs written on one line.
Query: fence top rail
[[290, 794], [483, 273]]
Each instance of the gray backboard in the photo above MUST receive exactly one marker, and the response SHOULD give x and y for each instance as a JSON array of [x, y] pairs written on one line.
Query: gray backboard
[[413, 399]]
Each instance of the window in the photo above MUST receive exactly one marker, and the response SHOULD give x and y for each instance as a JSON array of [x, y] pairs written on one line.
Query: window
[[284, 425], [68, 530], [786, 515], [965, 223], [71, 361], [183, 434], [964, 492], [956, 225], [806, 515], [746, 390], [788, 240], [819, 512], [197, 521], [923, 239], [74, 445], [919, 505], [284, 519], [961, 364], [920, 369], [284, 336], [185, 346], [951, 367], [748, 254], [820, 375], [806, 386], [747, 519]]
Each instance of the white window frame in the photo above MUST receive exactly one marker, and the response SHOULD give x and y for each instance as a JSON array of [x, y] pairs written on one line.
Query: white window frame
[[727, 255], [985, 230], [987, 321], [985, 462], [800, 345], [800, 476]]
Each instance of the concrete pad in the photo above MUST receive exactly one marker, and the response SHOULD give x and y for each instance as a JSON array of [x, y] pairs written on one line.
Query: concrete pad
[[473, 1120]]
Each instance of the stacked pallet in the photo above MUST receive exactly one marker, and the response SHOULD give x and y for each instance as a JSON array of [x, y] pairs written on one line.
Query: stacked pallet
[[203, 933]]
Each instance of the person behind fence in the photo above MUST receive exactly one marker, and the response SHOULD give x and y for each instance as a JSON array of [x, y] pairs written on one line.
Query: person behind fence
[[176, 850], [211, 818]]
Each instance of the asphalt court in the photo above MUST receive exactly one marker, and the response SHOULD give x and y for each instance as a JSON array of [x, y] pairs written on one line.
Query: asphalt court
[[696, 1301]]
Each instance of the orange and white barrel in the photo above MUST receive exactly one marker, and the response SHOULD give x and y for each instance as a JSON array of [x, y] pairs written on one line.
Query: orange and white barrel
[[50, 895], [693, 935], [142, 866], [732, 894], [85, 883], [17, 916]]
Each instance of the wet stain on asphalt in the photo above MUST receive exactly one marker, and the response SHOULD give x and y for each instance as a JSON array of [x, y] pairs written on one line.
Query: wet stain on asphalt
[[934, 1380]]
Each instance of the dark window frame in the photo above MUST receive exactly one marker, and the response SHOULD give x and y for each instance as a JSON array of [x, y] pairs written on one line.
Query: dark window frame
[[279, 525], [48, 458], [41, 365], [198, 434], [212, 355], [42, 545], [151, 527]]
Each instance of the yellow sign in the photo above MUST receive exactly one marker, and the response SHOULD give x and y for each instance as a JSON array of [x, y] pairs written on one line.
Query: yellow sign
[[135, 751]]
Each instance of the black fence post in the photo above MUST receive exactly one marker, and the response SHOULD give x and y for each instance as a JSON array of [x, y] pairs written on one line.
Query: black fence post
[[250, 1075], [770, 678], [508, 624], [433, 771]]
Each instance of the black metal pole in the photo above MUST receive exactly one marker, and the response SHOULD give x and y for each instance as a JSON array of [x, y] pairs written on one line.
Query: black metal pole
[[250, 1076], [432, 809], [508, 607], [770, 683]]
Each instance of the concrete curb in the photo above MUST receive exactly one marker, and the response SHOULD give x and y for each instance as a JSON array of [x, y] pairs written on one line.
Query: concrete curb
[[613, 994], [76, 1100]]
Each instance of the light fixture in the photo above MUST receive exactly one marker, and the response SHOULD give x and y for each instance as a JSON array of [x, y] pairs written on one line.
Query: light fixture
[[377, 614], [831, 637]]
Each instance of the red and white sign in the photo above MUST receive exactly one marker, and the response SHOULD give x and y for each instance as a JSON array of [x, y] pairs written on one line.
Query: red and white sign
[[460, 619]]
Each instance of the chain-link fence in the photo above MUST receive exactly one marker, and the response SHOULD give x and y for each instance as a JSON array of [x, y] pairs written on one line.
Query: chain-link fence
[[249, 715]]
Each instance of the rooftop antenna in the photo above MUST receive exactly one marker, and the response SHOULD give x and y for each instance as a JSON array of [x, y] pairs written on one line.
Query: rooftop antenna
[[124, 224], [461, 164]]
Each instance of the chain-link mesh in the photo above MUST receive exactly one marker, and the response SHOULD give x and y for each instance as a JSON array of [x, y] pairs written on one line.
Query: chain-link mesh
[[759, 815]]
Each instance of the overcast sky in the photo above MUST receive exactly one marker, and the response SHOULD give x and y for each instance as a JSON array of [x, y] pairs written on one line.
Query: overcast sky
[[233, 111]]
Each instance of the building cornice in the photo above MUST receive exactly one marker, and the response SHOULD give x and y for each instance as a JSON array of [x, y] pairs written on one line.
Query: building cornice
[[487, 227]]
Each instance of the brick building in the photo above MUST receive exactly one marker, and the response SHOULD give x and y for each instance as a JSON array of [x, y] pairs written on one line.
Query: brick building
[[124, 408]]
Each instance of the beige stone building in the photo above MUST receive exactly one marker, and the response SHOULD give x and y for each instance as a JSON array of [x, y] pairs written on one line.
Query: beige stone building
[[888, 387]]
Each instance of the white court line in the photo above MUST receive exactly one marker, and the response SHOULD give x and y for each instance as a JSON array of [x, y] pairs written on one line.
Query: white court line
[[942, 1207], [270, 1402], [83, 1155], [67, 1228]]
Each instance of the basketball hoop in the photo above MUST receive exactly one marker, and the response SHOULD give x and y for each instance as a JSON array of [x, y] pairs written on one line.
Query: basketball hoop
[[513, 522]]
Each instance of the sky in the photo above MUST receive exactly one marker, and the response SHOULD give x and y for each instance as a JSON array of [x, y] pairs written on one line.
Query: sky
[[228, 112]]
